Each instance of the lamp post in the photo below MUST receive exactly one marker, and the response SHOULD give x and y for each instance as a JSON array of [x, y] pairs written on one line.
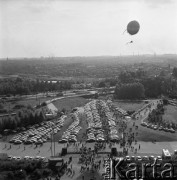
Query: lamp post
[[52, 141]]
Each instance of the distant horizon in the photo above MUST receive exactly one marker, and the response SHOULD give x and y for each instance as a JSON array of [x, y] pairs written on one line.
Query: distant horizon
[[5, 58]]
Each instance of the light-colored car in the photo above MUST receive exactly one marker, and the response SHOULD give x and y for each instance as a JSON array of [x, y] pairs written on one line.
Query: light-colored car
[[133, 158], [151, 157], [145, 158], [31, 158], [38, 157], [127, 158], [155, 127], [26, 157], [14, 158], [18, 158], [139, 158], [159, 158], [10, 157]]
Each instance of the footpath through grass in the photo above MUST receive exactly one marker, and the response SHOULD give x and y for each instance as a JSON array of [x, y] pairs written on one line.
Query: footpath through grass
[[70, 103]]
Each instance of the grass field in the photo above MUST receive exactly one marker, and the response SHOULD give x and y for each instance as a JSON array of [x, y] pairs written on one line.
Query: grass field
[[129, 105], [170, 113], [25, 102], [70, 103], [147, 134]]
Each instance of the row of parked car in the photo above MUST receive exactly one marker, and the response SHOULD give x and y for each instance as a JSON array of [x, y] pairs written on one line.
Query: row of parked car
[[156, 127], [94, 130], [18, 158], [70, 135], [39, 133], [98, 115], [113, 134], [143, 158]]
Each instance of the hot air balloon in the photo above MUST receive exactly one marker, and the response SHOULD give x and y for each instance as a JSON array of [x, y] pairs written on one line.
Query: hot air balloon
[[133, 27]]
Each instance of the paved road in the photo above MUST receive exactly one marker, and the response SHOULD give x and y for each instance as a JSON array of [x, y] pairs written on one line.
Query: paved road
[[31, 150]]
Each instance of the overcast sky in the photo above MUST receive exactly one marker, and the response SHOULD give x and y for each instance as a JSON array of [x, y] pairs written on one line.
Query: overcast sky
[[34, 28]]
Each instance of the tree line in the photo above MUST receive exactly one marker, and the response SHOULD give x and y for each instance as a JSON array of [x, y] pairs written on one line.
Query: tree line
[[129, 91], [23, 169], [23, 118], [129, 85], [21, 86]]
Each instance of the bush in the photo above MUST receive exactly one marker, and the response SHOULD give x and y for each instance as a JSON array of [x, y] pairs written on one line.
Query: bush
[[130, 112], [46, 172], [18, 106], [165, 101], [44, 104], [36, 174], [10, 175], [21, 174], [130, 91], [59, 94], [3, 111]]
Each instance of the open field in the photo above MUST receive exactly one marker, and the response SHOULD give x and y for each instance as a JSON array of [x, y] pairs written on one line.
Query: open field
[[34, 102], [25, 102], [170, 113], [129, 105], [70, 103], [147, 134]]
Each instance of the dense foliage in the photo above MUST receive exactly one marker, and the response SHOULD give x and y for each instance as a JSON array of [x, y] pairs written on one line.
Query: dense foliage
[[22, 169], [21, 86], [23, 118], [129, 91], [154, 86]]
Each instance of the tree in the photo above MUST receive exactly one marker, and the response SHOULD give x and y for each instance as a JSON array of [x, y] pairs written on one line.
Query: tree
[[37, 174], [10, 175], [102, 84], [21, 174], [129, 91], [175, 72], [46, 172]]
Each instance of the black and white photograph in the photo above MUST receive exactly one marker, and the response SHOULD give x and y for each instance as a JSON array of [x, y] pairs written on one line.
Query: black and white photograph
[[88, 89]]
